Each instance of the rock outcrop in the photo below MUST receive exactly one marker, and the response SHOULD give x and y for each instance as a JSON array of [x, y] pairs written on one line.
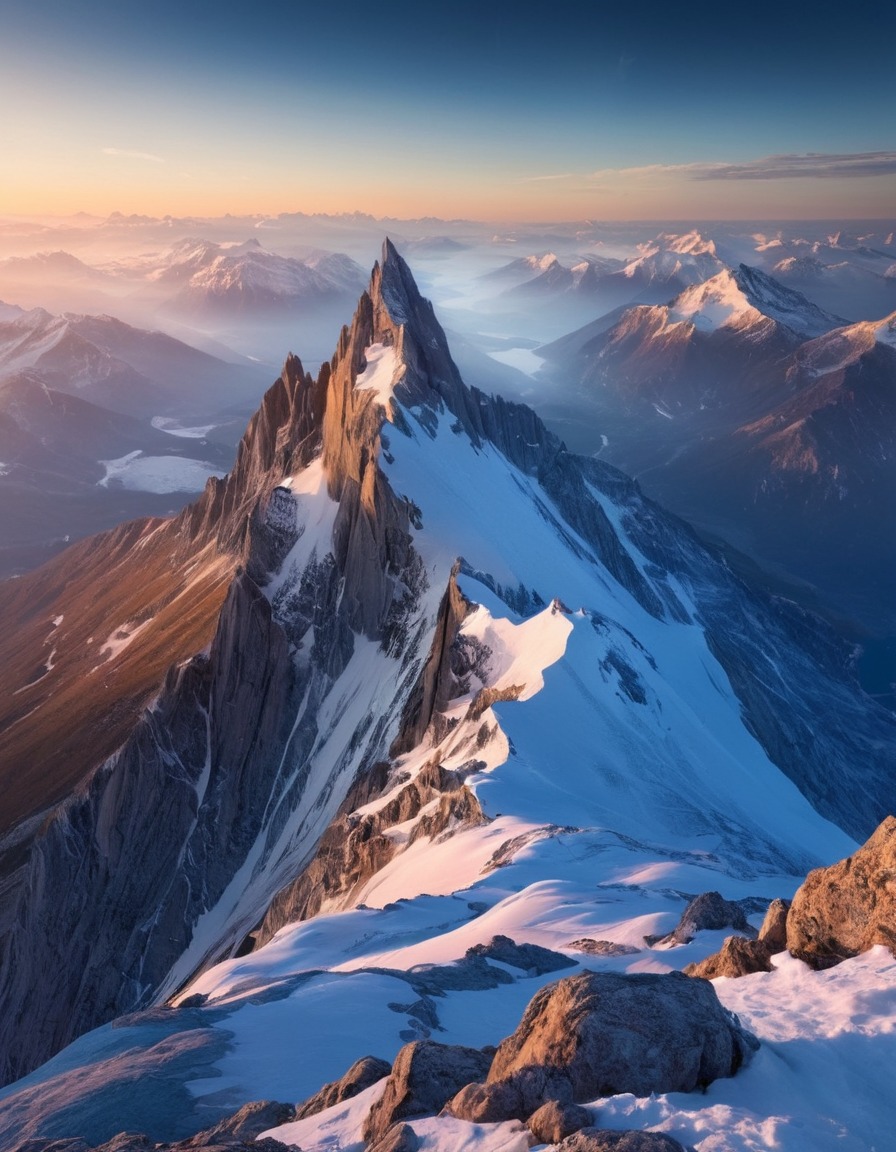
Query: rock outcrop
[[424, 1076], [530, 958], [739, 956], [846, 909], [362, 1074], [707, 912], [599, 1034], [608, 1140]]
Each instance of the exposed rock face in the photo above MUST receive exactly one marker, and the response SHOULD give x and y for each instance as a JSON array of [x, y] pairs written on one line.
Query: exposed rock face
[[553, 1122], [361, 1075], [354, 848], [607, 1140], [424, 1076], [710, 911], [846, 909], [604, 1033], [216, 768]]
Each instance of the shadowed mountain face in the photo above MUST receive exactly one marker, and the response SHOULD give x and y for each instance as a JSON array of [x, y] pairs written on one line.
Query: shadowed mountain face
[[188, 703]]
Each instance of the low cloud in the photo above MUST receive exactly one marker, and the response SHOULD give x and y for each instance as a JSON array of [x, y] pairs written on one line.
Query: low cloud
[[129, 154]]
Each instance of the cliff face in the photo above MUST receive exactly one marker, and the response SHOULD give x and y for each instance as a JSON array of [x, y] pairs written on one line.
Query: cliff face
[[228, 766]]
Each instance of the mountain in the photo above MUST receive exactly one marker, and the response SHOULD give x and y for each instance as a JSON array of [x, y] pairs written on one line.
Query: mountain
[[851, 279], [419, 684], [534, 276], [245, 278], [711, 357], [127, 369], [743, 407]]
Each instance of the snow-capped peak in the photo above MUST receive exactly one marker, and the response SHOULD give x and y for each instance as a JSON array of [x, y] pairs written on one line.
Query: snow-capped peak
[[746, 297]]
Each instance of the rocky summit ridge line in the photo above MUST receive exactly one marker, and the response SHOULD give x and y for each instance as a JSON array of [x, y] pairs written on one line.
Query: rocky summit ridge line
[[269, 656]]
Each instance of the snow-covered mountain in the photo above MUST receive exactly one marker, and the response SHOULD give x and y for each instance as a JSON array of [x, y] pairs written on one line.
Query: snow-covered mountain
[[246, 277], [546, 276], [744, 407], [408, 693], [712, 355], [127, 369]]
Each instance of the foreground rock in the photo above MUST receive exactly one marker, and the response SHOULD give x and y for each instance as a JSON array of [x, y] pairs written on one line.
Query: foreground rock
[[362, 1074], [599, 1034], [606, 1140], [553, 1122], [846, 909], [424, 1076]]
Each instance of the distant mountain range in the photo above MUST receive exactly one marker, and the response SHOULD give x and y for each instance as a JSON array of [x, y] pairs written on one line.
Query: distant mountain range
[[79, 451]]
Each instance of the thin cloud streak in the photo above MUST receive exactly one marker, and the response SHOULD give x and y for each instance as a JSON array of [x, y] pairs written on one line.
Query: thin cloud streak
[[810, 165], [814, 165], [128, 154]]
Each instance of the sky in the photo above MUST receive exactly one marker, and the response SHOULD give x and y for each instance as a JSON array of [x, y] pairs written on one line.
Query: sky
[[504, 111]]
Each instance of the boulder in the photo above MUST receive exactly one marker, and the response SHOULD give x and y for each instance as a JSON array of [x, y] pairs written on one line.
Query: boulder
[[607, 1140], [847, 908], [602, 1033], [513, 1099], [246, 1124], [361, 1075], [708, 911], [773, 932], [737, 957], [398, 1138], [553, 1122], [424, 1077]]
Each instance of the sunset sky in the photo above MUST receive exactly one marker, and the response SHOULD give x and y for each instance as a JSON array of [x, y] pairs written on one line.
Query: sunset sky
[[495, 111]]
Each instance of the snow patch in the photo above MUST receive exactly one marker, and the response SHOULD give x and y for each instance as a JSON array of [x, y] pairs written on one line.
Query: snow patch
[[160, 474], [173, 428], [379, 376]]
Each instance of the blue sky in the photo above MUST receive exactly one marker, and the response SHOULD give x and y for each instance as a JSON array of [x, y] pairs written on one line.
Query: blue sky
[[504, 110]]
